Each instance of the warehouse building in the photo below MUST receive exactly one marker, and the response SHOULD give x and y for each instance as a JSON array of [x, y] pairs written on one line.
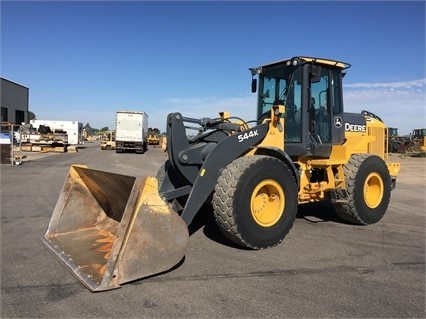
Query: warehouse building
[[14, 102]]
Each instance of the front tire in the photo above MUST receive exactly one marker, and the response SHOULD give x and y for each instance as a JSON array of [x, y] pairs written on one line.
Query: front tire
[[368, 189], [255, 201]]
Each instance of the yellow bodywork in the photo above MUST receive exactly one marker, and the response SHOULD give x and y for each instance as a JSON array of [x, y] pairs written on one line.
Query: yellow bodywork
[[423, 147], [153, 139], [373, 141], [108, 141]]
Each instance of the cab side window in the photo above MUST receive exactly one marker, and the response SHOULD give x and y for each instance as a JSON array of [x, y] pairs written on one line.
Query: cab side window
[[320, 108], [336, 100]]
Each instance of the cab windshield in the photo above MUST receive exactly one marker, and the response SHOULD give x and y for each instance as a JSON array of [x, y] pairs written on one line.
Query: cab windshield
[[282, 84], [279, 83]]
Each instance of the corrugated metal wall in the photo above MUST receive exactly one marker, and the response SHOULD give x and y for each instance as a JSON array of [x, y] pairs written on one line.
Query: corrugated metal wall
[[14, 102]]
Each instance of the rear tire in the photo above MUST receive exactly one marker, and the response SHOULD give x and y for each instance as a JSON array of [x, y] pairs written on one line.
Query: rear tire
[[255, 201], [368, 189]]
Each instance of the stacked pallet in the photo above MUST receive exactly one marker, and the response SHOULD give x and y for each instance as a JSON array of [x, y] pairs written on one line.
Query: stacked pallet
[[28, 147]]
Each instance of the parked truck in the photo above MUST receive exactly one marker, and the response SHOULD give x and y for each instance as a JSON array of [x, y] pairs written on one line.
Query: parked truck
[[131, 131], [74, 129]]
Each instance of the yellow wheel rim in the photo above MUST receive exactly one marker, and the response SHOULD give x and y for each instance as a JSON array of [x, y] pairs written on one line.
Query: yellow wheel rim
[[267, 203], [373, 190]]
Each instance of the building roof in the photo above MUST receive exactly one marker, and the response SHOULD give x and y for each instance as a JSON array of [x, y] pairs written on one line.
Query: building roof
[[4, 79]]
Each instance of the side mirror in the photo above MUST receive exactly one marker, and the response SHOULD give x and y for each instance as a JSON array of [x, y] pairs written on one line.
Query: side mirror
[[253, 85], [315, 74]]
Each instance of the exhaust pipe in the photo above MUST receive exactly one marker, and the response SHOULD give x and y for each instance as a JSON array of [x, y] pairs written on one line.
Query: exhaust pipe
[[109, 229]]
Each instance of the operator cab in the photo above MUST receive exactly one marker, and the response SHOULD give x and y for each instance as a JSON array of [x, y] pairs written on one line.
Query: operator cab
[[311, 91]]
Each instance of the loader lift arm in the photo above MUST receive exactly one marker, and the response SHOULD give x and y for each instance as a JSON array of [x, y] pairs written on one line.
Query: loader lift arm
[[197, 164]]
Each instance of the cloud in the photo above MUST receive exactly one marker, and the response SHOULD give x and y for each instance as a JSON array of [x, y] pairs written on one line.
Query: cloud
[[403, 85], [400, 104]]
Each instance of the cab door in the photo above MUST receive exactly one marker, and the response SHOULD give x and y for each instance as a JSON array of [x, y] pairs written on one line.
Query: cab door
[[320, 113], [326, 127]]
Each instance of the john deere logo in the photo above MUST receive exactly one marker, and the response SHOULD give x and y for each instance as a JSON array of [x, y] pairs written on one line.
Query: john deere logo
[[338, 122]]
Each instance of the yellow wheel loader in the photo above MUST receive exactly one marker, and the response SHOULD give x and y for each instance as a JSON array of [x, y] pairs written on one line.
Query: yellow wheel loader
[[419, 139], [153, 136], [108, 140], [110, 229]]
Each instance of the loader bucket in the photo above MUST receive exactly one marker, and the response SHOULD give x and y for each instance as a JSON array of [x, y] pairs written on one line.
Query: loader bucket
[[109, 229]]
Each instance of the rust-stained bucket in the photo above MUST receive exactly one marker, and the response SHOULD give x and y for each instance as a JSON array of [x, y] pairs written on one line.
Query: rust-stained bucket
[[109, 229]]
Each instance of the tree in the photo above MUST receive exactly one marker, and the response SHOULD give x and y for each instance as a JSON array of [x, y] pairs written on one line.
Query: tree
[[31, 116]]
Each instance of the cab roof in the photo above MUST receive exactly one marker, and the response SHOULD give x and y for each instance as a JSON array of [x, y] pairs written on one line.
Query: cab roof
[[339, 64]]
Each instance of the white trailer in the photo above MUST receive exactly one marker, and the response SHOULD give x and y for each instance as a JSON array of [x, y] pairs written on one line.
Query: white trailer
[[74, 129], [131, 131]]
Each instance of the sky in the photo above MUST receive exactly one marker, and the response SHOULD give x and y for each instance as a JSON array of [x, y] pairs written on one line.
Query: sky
[[84, 60]]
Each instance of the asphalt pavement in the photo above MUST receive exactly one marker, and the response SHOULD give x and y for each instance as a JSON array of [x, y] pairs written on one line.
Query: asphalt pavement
[[325, 268]]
